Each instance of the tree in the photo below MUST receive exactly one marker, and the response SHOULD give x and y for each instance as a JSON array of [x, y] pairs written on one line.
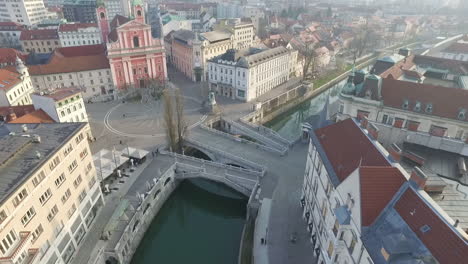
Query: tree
[[364, 37], [309, 59], [174, 120]]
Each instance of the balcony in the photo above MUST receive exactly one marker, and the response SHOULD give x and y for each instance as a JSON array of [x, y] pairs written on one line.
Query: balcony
[[32, 254], [16, 250]]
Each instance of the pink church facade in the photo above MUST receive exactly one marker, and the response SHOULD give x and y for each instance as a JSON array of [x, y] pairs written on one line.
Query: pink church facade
[[135, 57]]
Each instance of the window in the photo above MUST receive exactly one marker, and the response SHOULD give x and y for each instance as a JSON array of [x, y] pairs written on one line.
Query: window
[[60, 180], [136, 42], [336, 227], [53, 212], [20, 197], [77, 181], [45, 196], [82, 195], [67, 150], [353, 243], [462, 114], [83, 153], [3, 216], [71, 211], [240, 93], [417, 106], [28, 216], [7, 242], [72, 166], [385, 119], [79, 138], [54, 163], [66, 196], [37, 232], [429, 108], [39, 178]]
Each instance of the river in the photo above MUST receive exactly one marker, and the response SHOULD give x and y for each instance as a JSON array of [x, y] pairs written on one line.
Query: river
[[289, 123], [201, 222]]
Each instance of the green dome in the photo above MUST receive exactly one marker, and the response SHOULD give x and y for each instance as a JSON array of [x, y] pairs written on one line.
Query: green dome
[[349, 88], [137, 2]]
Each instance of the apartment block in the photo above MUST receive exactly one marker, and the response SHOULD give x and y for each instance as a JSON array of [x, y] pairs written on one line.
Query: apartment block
[[49, 193]]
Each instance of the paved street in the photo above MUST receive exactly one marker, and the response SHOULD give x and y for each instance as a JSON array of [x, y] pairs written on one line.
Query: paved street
[[143, 127]]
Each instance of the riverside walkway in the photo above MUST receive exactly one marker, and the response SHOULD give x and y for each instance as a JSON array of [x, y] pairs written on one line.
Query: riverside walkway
[[282, 184]]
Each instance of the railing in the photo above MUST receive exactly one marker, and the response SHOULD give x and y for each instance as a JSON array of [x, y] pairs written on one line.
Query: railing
[[256, 135], [244, 190], [265, 130], [245, 141], [261, 168], [212, 163], [23, 238]]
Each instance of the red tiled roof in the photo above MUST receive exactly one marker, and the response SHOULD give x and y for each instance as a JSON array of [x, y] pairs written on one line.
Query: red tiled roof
[[61, 94], [118, 20], [378, 186], [8, 56], [81, 50], [41, 34], [19, 110], [8, 79], [397, 70], [71, 64], [347, 148], [38, 116], [13, 26], [75, 27], [455, 66], [446, 102], [442, 241], [457, 48]]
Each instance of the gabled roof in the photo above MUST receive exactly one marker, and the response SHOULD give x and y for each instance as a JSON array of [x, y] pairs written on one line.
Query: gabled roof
[[87, 50], [444, 243], [398, 69], [347, 148], [19, 110], [378, 186], [446, 102], [71, 64], [35, 117], [8, 56], [118, 20], [61, 94], [8, 79], [39, 34]]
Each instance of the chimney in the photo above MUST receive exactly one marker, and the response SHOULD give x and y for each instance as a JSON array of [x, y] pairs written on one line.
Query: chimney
[[373, 131], [418, 177], [395, 152], [456, 223]]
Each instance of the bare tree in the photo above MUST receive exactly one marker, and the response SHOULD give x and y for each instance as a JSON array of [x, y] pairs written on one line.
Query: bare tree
[[180, 120], [309, 59], [170, 124]]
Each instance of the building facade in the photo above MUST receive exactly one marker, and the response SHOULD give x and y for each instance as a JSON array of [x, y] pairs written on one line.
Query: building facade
[[82, 11], [15, 85], [79, 34], [249, 73], [456, 51], [135, 57], [63, 106], [10, 33], [23, 12], [40, 40], [360, 205], [53, 196], [90, 73]]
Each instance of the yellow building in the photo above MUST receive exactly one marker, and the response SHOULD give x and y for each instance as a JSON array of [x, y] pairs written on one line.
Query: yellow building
[[49, 191]]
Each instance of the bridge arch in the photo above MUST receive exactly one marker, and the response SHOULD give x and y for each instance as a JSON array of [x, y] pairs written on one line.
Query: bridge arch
[[198, 153]]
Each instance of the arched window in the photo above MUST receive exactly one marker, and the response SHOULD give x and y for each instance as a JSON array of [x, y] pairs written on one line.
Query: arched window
[[139, 13], [136, 42], [103, 15]]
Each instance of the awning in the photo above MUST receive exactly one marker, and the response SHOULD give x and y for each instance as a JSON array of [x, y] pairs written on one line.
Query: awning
[[134, 153], [106, 162]]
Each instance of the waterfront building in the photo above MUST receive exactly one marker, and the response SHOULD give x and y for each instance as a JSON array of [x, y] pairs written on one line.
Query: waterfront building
[[50, 192], [15, 85], [417, 94], [83, 67], [82, 11], [79, 34], [10, 33], [361, 206], [40, 40], [247, 74], [23, 12], [190, 51], [135, 57]]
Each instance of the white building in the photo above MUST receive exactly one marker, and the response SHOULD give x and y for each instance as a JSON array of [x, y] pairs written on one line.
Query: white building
[[79, 34], [117, 7], [10, 33], [64, 105], [50, 192], [361, 206], [24, 12], [246, 74], [418, 94], [15, 85], [91, 74]]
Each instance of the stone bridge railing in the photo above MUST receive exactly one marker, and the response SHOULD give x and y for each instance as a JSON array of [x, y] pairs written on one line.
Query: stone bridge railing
[[260, 169], [265, 130]]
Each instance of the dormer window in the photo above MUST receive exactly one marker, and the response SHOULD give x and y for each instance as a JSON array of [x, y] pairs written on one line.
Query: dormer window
[[429, 108], [462, 114], [405, 104], [417, 106]]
